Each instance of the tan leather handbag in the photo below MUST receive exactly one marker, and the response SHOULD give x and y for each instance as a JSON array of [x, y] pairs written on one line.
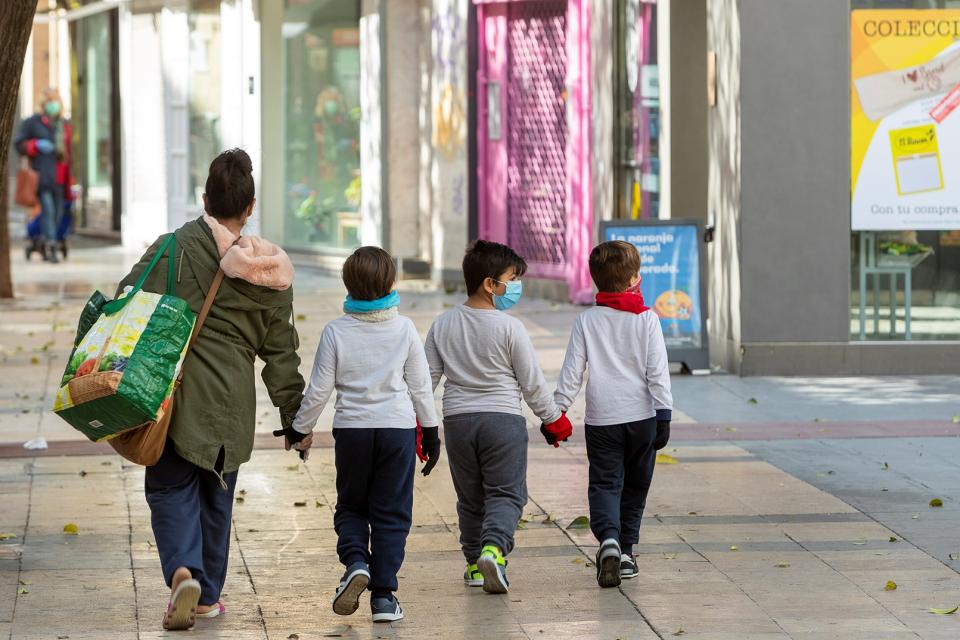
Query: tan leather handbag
[[144, 444], [25, 194]]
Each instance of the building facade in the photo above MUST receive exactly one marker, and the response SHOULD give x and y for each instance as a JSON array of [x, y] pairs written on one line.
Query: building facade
[[420, 125]]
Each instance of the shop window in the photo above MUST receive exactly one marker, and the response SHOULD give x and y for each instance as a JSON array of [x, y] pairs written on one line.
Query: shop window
[[204, 92], [905, 193], [637, 110], [322, 124]]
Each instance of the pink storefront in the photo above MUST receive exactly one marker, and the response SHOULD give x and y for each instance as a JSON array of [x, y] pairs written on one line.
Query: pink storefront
[[533, 138]]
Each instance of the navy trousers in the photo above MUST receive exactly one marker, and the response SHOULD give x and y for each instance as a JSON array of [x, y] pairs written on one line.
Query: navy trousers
[[621, 459], [191, 513], [374, 500]]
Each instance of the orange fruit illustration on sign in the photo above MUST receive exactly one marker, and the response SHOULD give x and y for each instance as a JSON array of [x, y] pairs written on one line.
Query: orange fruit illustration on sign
[[673, 305]]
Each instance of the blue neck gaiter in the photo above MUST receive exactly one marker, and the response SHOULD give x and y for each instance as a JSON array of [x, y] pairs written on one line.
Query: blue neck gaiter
[[366, 306]]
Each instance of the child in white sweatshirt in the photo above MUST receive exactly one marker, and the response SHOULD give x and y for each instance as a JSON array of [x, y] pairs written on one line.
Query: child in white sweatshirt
[[374, 359], [629, 405]]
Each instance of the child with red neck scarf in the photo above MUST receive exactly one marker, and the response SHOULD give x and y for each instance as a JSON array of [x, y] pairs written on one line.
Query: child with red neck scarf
[[629, 404]]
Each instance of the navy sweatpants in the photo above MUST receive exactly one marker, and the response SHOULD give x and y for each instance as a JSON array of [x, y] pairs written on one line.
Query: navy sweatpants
[[374, 500], [191, 514], [622, 457]]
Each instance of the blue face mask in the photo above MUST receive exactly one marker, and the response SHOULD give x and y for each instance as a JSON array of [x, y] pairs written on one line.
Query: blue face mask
[[510, 297], [52, 108], [366, 306]]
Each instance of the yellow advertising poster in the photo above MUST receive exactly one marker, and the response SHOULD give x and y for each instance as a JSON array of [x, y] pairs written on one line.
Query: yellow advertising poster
[[904, 120]]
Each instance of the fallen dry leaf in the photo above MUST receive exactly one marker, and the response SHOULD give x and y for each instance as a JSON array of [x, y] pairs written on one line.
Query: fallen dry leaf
[[893, 539], [734, 547], [936, 502], [71, 529], [945, 612], [782, 565], [666, 458], [955, 556], [580, 522], [300, 503], [890, 586], [7, 536]]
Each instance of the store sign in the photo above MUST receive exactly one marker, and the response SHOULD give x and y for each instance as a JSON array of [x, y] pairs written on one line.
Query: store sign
[[672, 281], [905, 132]]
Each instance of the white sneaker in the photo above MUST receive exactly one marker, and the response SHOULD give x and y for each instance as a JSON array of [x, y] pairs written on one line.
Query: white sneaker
[[628, 567]]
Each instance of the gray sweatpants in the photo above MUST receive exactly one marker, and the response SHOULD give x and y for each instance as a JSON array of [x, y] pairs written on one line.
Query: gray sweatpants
[[487, 455]]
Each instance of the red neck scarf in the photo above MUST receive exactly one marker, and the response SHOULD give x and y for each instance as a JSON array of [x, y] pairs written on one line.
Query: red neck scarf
[[624, 301]]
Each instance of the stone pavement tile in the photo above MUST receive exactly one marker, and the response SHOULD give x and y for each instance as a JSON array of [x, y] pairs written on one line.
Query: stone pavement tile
[[631, 628], [204, 630], [706, 612], [60, 551], [9, 584], [843, 627], [835, 531]]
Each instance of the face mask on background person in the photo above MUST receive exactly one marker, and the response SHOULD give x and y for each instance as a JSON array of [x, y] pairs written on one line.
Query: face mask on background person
[[52, 108], [510, 297]]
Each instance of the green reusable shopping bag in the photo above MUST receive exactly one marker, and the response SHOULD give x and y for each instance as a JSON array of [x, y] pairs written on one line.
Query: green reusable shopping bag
[[126, 357]]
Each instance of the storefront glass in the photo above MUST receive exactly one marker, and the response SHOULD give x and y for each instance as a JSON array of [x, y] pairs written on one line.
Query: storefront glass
[[637, 110], [204, 92], [905, 216], [92, 122], [322, 121]]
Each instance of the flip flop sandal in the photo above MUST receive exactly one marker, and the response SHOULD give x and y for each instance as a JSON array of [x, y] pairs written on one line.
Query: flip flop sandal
[[219, 610], [182, 609]]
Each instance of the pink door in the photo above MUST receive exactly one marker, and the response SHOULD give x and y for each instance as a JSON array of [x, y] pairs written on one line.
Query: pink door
[[534, 173]]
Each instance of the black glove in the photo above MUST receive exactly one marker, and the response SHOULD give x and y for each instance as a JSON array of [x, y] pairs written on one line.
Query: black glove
[[663, 434], [430, 448], [292, 437]]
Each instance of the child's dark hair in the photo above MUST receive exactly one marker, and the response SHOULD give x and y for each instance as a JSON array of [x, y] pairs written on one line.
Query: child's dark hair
[[369, 273], [229, 187], [613, 264], [485, 259]]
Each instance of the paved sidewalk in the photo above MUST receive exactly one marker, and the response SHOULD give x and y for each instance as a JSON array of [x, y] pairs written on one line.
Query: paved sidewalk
[[778, 520]]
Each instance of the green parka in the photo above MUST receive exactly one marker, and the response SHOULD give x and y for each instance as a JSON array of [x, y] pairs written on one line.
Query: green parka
[[215, 406]]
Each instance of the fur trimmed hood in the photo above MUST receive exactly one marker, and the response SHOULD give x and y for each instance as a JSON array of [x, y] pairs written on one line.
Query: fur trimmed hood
[[251, 258]]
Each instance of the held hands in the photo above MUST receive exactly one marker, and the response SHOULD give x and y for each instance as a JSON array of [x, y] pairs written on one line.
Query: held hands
[[663, 434], [293, 439], [557, 431], [428, 447]]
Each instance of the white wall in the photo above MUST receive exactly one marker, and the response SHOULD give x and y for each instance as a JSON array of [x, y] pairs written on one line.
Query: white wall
[[449, 206], [143, 150]]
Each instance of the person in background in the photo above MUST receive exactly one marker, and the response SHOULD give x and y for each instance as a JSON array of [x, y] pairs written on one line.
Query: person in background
[[45, 138]]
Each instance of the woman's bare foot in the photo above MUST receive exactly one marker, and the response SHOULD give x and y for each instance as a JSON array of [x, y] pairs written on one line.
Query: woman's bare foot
[[179, 576], [182, 608]]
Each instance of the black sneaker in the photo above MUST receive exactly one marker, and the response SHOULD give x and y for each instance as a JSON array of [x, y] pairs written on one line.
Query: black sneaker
[[628, 567], [353, 583], [608, 563], [386, 609]]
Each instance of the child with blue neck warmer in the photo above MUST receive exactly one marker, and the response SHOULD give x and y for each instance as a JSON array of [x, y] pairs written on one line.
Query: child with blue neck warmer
[[372, 356], [489, 363]]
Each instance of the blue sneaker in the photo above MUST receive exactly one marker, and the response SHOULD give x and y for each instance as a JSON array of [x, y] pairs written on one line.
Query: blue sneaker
[[386, 609], [353, 583]]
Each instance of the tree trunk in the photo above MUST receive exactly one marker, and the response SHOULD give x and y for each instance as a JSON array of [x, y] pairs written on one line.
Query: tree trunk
[[16, 22]]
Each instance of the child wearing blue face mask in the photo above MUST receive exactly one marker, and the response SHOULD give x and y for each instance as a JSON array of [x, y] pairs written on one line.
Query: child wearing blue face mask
[[373, 357], [489, 362]]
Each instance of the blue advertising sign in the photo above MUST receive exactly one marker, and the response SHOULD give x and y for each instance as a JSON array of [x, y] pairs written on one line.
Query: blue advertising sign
[[672, 281]]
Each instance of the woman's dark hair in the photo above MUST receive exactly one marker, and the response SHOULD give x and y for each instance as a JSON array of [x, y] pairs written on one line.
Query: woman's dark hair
[[369, 273], [229, 187], [485, 259]]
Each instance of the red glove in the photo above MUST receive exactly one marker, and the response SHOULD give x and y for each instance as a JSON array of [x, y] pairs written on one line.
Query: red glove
[[557, 431], [420, 453]]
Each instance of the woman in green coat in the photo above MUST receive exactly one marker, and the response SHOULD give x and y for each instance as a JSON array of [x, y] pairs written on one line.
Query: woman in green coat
[[190, 490]]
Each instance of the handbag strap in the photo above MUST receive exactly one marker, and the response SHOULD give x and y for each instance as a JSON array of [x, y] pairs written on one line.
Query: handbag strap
[[169, 247], [205, 309]]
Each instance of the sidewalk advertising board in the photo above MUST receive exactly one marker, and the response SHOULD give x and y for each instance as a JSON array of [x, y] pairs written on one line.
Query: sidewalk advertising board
[[904, 130], [673, 283]]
